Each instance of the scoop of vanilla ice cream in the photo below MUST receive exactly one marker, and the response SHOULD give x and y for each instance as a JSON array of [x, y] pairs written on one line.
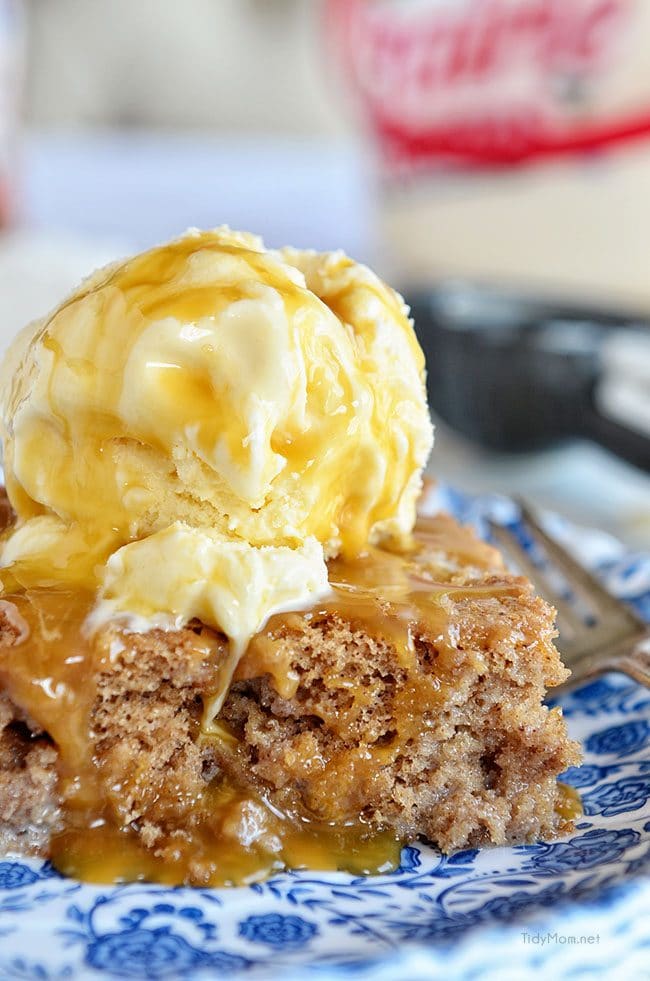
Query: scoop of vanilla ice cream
[[246, 399]]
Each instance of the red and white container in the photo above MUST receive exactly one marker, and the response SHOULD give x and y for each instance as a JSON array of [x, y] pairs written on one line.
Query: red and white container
[[513, 138]]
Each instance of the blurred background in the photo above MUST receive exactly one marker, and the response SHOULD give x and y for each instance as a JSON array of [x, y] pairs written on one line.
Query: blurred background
[[491, 159]]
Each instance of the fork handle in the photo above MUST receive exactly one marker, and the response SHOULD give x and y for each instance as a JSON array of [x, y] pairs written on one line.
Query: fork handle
[[633, 660], [636, 663]]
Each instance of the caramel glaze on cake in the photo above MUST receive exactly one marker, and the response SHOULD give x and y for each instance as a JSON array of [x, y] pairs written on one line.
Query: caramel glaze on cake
[[409, 704]]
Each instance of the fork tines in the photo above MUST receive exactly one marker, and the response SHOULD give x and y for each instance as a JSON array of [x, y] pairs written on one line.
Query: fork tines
[[601, 620]]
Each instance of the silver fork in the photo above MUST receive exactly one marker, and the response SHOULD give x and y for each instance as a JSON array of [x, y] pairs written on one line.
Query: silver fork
[[610, 638]]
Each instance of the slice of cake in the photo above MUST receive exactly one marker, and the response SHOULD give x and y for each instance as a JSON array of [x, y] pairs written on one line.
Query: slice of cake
[[409, 704]]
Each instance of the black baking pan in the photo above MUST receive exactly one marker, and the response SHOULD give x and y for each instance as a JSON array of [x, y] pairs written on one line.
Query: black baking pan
[[515, 373]]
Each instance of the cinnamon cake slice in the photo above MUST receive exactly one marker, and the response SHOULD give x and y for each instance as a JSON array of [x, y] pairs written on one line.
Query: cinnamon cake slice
[[407, 704]]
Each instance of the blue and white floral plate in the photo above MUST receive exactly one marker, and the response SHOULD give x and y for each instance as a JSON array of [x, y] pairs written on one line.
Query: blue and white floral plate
[[577, 907]]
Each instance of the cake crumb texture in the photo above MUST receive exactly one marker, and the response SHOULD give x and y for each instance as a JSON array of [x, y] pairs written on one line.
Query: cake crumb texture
[[29, 806], [445, 737]]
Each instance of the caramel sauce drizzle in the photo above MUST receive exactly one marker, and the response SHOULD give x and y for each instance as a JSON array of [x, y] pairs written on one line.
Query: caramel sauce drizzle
[[569, 805], [235, 836]]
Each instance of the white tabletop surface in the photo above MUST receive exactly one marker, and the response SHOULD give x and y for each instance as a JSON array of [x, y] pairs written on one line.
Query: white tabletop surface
[[89, 198]]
